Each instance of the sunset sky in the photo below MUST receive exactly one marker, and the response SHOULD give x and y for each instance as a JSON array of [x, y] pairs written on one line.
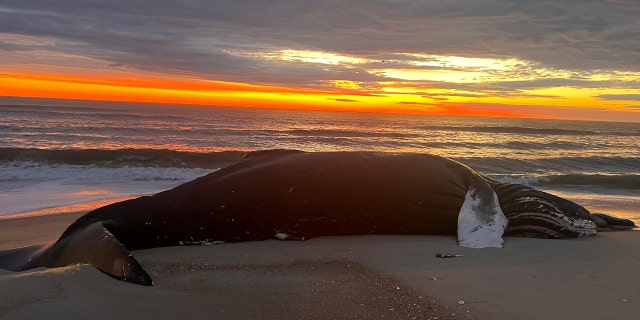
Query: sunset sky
[[576, 59]]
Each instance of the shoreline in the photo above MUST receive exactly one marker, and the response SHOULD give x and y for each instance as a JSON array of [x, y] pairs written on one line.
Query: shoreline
[[32, 230], [84, 207]]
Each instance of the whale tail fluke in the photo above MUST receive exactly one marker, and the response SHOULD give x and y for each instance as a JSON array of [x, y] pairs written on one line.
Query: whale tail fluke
[[607, 222], [93, 245]]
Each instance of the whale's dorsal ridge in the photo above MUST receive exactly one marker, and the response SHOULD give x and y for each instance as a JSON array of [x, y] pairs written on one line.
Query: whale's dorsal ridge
[[270, 153], [481, 222]]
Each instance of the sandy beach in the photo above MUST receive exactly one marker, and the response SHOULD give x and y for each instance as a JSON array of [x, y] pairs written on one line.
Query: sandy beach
[[390, 277]]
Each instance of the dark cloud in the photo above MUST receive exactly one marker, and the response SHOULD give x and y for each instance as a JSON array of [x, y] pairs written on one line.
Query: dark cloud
[[631, 97], [414, 103], [200, 36], [436, 95], [559, 82], [142, 34], [343, 100]]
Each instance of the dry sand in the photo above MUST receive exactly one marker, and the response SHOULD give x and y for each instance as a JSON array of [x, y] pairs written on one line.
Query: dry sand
[[365, 277]]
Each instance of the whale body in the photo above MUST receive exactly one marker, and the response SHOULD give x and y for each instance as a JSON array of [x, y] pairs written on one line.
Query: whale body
[[294, 195]]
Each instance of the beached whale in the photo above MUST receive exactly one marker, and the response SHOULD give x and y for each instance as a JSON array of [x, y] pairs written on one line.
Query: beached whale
[[293, 195]]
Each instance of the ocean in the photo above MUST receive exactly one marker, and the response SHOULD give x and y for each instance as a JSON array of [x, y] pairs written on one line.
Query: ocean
[[62, 154]]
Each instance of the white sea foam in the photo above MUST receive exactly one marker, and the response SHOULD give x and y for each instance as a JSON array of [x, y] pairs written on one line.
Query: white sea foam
[[29, 186], [525, 180]]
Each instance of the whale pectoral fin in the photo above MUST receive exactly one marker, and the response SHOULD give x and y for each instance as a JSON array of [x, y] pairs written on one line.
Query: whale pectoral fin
[[96, 246], [481, 222]]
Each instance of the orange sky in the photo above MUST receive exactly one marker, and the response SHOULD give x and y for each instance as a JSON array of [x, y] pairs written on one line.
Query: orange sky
[[221, 93], [338, 95]]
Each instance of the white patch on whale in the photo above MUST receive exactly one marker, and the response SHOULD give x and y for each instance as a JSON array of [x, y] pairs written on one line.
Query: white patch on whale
[[481, 222], [281, 235]]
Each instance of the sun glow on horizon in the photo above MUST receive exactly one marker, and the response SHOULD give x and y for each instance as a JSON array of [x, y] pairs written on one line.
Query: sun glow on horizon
[[401, 83]]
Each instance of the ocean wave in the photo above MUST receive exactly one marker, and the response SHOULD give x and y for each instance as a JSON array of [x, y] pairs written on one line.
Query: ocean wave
[[345, 133], [552, 166], [507, 129], [601, 181], [23, 173], [123, 157], [609, 181], [527, 130], [215, 159]]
